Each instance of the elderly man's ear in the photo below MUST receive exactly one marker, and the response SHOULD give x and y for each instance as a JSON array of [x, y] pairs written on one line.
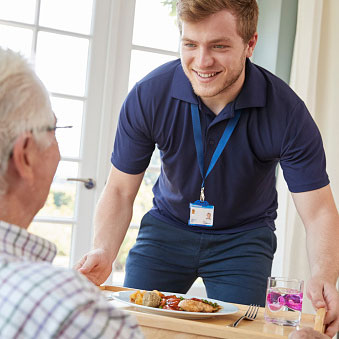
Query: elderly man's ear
[[25, 156]]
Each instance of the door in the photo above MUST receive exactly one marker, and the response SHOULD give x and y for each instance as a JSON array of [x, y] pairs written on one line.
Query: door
[[67, 43], [89, 54]]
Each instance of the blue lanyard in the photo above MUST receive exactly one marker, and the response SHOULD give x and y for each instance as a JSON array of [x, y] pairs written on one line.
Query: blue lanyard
[[199, 146]]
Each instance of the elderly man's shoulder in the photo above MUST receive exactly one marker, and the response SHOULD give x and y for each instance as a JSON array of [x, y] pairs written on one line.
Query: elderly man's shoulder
[[53, 302], [49, 284]]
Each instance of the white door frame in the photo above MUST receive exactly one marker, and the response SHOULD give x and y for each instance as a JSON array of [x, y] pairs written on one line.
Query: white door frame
[[109, 63]]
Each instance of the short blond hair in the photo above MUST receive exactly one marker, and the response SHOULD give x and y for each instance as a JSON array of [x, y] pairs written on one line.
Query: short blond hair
[[246, 12]]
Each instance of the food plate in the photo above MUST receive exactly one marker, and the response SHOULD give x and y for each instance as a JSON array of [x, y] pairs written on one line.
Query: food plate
[[227, 308]]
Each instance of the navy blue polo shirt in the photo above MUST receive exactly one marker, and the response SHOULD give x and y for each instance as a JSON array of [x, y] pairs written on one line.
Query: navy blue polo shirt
[[274, 126]]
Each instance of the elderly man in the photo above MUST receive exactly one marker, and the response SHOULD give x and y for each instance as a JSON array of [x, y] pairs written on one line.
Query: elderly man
[[38, 300]]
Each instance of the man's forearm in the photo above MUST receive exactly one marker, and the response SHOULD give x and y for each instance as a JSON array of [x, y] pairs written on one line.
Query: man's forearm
[[322, 247], [319, 214], [112, 218]]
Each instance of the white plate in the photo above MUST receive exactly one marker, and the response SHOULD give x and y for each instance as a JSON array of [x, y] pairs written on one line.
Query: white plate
[[227, 308]]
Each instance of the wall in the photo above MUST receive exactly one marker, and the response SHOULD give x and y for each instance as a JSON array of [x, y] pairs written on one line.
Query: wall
[[276, 31], [274, 51], [327, 112]]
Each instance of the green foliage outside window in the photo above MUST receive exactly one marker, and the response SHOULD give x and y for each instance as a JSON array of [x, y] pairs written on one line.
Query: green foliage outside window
[[61, 198], [172, 6], [60, 203]]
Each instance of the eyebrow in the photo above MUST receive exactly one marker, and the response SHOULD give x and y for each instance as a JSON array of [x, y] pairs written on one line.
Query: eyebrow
[[227, 40], [187, 39], [218, 40]]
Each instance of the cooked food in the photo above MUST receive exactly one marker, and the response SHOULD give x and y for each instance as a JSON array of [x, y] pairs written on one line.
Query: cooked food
[[172, 302], [137, 297], [151, 299], [190, 305]]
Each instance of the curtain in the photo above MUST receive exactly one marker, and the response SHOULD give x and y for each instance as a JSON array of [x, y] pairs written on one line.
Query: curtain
[[314, 77]]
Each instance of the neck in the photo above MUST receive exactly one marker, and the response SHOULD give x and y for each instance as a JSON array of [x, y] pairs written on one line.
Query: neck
[[13, 211], [215, 106], [218, 102]]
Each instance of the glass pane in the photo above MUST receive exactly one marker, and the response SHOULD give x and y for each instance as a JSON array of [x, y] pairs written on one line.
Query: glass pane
[[60, 235], [61, 198], [61, 62], [144, 62], [155, 26], [67, 15], [18, 10], [120, 261], [17, 39], [68, 113]]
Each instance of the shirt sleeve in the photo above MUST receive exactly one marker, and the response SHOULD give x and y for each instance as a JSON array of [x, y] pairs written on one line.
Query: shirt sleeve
[[302, 154], [134, 144], [98, 319]]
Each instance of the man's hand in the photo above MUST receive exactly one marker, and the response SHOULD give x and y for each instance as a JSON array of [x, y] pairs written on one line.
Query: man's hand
[[324, 294], [307, 333], [320, 216], [112, 218], [96, 265]]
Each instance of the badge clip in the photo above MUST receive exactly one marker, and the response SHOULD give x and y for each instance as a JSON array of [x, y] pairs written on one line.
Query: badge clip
[[202, 194]]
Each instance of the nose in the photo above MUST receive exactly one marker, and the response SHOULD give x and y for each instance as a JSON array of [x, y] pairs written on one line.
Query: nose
[[205, 58]]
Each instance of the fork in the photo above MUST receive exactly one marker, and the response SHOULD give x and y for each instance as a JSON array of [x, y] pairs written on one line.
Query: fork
[[251, 314]]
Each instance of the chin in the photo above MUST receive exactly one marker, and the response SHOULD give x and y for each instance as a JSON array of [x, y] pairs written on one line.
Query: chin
[[206, 92], [42, 202], [38, 208]]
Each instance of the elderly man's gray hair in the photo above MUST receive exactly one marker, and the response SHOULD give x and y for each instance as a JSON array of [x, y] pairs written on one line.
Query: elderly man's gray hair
[[24, 106]]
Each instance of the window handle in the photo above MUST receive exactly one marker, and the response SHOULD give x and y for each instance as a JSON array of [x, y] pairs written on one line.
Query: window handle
[[89, 183]]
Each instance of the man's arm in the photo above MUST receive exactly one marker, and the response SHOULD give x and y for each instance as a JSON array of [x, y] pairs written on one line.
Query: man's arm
[[111, 221], [307, 333], [320, 217]]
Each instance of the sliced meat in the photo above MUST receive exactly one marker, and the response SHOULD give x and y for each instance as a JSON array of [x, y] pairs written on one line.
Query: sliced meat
[[196, 306]]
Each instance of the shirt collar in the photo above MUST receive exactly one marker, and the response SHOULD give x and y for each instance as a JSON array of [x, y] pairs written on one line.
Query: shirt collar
[[252, 94], [15, 241], [182, 88]]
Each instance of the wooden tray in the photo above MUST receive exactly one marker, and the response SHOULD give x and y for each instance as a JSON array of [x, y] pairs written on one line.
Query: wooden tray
[[162, 327]]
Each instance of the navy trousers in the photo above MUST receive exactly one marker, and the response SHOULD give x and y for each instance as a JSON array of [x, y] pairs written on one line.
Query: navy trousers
[[234, 267]]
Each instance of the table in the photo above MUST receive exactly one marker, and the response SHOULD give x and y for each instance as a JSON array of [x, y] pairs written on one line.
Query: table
[[162, 327]]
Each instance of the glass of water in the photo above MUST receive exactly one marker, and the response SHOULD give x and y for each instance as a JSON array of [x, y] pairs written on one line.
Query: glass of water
[[284, 299]]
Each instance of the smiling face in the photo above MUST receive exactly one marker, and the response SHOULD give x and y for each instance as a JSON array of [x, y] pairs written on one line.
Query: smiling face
[[213, 56]]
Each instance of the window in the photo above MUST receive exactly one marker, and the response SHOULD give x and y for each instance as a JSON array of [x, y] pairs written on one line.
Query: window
[[56, 34], [79, 49]]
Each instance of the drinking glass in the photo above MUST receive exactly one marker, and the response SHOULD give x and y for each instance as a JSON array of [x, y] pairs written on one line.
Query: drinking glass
[[284, 298]]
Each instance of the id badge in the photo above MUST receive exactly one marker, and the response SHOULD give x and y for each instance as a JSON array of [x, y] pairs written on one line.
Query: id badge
[[201, 214]]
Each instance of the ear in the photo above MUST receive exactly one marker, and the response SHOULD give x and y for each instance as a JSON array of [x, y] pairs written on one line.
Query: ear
[[24, 153], [251, 45]]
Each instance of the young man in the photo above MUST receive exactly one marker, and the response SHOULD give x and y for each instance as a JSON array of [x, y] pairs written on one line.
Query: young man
[[222, 125], [38, 300]]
